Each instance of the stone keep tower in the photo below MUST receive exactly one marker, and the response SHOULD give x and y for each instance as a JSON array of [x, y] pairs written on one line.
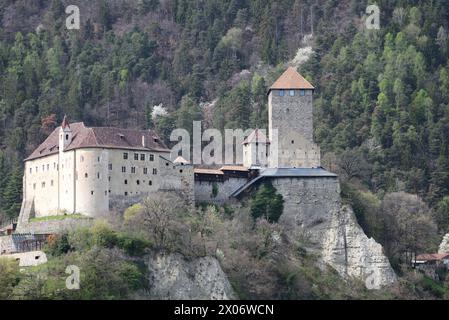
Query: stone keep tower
[[290, 112]]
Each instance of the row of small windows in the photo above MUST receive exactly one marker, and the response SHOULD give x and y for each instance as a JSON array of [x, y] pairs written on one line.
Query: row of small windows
[[142, 156], [133, 170], [55, 166], [292, 93], [150, 183], [43, 185]]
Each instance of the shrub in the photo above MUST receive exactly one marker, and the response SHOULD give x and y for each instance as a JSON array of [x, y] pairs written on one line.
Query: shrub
[[267, 203]]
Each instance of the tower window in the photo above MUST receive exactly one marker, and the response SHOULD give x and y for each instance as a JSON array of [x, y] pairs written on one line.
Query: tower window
[[125, 156], [302, 93], [51, 183], [154, 171], [281, 93], [126, 181], [98, 175], [67, 137], [142, 157], [136, 156], [31, 170], [133, 169], [138, 182], [151, 157], [92, 192], [126, 193], [293, 141], [110, 167], [123, 169], [292, 93], [145, 170], [150, 183], [86, 175]]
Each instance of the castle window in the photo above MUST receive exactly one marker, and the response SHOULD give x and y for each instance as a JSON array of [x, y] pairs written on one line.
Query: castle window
[[126, 193], [98, 159], [180, 171], [151, 157], [36, 169], [125, 156], [292, 93], [43, 167], [154, 171], [142, 157], [34, 186], [82, 159], [109, 178], [86, 175], [110, 166], [67, 137], [123, 169], [138, 182], [133, 169], [150, 183], [293, 141], [145, 170], [136, 156], [302, 93], [281, 93], [48, 167], [51, 183], [31, 170], [98, 175], [92, 192], [126, 181], [43, 184], [166, 164]]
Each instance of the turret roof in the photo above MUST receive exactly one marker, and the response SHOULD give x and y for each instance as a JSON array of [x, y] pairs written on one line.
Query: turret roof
[[291, 79]]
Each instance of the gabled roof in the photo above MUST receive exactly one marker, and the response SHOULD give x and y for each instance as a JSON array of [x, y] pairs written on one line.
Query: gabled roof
[[256, 136], [291, 79], [181, 160], [101, 137]]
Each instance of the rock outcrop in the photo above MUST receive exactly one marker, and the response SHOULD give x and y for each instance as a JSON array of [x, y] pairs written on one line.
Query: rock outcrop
[[313, 212], [444, 245], [173, 277]]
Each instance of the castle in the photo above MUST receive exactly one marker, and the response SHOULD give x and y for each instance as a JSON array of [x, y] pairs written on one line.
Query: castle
[[79, 173], [90, 171]]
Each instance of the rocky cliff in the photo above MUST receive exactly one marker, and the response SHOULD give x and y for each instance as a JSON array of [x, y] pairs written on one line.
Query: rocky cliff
[[313, 213], [172, 277]]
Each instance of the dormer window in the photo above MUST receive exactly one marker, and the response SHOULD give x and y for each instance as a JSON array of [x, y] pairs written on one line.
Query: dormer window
[[291, 93], [281, 93], [302, 93]]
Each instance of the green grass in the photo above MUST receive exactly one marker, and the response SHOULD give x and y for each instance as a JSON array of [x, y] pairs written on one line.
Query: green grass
[[59, 217]]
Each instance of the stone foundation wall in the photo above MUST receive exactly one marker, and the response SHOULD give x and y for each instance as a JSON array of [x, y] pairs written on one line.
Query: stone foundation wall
[[203, 190]]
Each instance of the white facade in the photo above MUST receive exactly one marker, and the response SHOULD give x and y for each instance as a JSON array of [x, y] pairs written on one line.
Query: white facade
[[87, 180]]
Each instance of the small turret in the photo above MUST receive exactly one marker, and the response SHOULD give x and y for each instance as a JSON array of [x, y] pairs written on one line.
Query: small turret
[[65, 134]]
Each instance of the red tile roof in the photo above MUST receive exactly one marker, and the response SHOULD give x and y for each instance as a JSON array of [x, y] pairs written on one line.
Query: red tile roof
[[101, 137], [291, 79], [208, 171], [234, 168], [432, 256]]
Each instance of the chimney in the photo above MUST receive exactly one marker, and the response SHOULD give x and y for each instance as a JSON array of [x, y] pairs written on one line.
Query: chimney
[[143, 140]]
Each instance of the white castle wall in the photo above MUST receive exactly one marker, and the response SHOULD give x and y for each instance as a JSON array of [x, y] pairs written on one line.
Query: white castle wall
[[41, 185]]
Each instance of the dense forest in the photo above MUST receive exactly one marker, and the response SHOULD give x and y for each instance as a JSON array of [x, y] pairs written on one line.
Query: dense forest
[[381, 104]]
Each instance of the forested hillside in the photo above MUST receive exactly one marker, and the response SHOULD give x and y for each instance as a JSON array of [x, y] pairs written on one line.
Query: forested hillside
[[381, 105]]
